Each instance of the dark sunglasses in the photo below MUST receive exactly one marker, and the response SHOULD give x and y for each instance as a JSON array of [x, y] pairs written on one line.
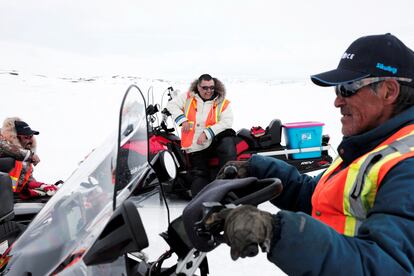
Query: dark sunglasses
[[349, 89], [27, 137], [205, 88]]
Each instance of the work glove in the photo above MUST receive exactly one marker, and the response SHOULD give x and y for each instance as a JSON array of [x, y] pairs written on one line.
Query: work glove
[[234, 169], [246, 228]]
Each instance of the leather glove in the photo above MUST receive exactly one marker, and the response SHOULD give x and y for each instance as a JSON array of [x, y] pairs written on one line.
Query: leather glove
[[246, 227], [234, 169]]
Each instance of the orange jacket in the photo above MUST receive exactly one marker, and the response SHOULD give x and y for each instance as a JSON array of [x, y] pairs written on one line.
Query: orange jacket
[[190, 112], [20, 175], [343, 198]]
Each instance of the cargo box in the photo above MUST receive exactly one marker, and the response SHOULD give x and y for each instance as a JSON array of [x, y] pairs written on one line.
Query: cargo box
[[302, 135]]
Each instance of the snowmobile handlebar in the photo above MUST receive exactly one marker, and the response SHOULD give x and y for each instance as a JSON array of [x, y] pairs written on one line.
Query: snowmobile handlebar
[[201, 217], [152, 109]]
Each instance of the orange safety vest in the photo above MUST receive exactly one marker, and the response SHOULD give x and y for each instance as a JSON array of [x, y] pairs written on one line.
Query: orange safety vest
[[342, 200], [20, 180], [190, 111]]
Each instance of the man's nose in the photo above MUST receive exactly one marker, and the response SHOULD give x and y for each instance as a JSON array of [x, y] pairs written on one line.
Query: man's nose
[[339, 101]]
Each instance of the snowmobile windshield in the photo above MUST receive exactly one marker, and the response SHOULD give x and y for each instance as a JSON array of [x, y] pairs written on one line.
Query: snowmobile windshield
[[73, 218]]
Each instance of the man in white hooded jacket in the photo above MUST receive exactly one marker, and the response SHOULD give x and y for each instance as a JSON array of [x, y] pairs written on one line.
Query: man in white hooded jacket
[[206, 120]]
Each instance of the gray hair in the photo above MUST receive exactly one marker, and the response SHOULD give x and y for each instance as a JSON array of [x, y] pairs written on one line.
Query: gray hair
[[404, 100]]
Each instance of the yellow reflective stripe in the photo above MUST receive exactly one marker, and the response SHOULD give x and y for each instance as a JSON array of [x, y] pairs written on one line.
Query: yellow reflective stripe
[[220, 108], [333, 166], [187, 107], [372, 177], [350, 226], [351, 220], [369, 188], [14, 182], [216, 113]]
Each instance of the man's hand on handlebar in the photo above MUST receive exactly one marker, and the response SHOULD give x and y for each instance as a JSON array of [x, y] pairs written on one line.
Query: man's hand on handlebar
[[246, 228]]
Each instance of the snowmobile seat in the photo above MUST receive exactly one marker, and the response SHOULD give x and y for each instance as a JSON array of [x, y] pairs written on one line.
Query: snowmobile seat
[[247, 136], [6, 198], [272, 136]]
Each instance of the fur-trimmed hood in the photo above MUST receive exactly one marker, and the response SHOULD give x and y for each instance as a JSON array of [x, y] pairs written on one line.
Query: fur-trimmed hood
[[220, 90], [8, 133]]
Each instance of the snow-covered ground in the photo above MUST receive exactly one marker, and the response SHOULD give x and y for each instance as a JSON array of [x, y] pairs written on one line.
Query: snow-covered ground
[[75, 113]]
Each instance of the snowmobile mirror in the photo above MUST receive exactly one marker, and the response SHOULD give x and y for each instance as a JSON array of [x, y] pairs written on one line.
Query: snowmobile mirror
[[164, 166], [152, 109], [90, 183], [93, 180], [132, 154], [123, 233]]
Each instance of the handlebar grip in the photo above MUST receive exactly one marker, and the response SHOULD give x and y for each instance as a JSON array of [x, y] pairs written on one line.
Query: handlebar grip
[[272, 188], [165, 128], [166, 112]]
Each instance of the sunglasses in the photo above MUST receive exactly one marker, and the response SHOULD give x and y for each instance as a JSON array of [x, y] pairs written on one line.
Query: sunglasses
[[346, 90], [27, 137], [205, 88]]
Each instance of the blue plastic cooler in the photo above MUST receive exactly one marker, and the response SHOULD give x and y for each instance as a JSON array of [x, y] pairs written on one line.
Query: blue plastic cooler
[[301, 135]]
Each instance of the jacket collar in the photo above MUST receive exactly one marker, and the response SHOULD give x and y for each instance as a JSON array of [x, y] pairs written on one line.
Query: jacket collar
[[353, 147]]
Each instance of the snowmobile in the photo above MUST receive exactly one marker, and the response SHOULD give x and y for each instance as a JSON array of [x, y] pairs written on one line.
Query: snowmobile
[[96, 224], [255, 140]]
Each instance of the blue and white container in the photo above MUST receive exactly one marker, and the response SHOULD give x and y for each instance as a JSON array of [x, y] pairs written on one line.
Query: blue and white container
[[301, 135]]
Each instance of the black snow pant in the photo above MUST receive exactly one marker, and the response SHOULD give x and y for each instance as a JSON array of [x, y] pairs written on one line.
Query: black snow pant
[[222, 147]]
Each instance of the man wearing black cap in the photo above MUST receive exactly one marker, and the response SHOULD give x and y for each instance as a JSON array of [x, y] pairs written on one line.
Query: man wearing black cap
[[17, 157], [356, 218]]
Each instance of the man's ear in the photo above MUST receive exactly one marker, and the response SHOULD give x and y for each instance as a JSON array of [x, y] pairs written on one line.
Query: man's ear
[[392, 90]]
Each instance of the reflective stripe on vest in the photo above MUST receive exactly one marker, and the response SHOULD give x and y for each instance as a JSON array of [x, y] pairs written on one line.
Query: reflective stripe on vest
[[343, 200], [190, 112], [215, 112], [19, 177]]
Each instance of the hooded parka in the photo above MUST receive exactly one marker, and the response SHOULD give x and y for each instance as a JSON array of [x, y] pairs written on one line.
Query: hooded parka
[[201, 114], [10, 146]]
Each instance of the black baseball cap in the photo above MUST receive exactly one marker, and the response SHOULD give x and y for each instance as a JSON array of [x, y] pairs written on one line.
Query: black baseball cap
[[371, 56], [22, 128]]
